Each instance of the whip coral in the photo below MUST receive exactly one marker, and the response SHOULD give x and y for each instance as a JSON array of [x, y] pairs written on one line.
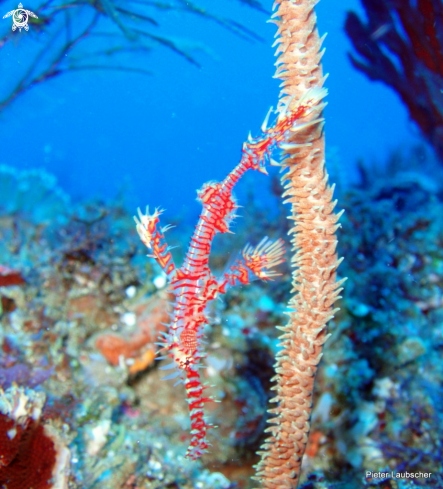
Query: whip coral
[[314, 243]]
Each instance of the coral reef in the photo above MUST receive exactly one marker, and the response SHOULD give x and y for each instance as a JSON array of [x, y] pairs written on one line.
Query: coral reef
[[401, 44], [123, 425], [378, 394]]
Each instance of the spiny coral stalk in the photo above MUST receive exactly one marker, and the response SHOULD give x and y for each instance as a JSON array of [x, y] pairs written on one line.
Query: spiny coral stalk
[[314, 242]]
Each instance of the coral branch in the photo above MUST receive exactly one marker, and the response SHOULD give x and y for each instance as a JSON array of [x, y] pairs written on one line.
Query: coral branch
[[314, 243], [68, 25], [401, 45]]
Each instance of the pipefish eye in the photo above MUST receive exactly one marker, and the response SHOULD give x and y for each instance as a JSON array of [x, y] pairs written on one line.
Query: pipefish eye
[[187, 362]]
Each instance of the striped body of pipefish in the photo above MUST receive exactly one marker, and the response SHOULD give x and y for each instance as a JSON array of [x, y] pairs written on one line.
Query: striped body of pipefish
[[193, 284]]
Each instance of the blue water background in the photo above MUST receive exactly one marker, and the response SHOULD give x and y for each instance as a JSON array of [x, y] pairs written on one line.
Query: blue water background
[[161, 137]]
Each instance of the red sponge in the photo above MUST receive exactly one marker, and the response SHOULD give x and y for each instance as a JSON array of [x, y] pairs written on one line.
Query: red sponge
[[27, 455]]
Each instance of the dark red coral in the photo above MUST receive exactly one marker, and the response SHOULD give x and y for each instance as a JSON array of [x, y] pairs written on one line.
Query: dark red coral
[[401, 44], [27, 455], [8, 276]]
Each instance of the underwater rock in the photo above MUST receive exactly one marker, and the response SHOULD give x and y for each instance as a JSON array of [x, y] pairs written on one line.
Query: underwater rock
[[411, 349], [22, 374]]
